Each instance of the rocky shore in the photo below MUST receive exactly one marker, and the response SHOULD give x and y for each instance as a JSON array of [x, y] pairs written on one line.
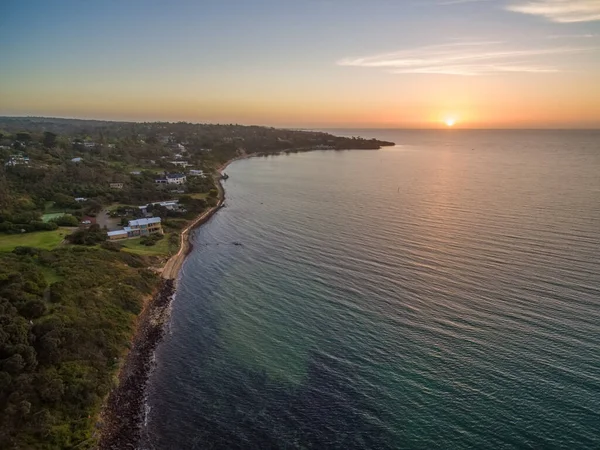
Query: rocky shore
[[122, 417]]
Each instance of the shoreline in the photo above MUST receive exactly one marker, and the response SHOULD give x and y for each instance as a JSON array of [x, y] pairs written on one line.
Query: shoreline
[[122, 414]]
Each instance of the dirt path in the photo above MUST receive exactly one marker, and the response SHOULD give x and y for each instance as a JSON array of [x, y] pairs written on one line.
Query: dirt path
[[171, 269]]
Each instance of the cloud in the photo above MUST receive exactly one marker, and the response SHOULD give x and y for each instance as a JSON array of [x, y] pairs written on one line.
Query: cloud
[[563, 11], [462, 58], [573, 36], [459, 2]]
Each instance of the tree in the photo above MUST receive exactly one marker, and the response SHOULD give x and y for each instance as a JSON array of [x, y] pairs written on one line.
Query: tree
[[23, 137], [49, 140]]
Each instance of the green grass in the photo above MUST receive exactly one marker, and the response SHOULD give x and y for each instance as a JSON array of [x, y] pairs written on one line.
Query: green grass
[[199, 195], [50, 275], [48, 217], [134, 246], [46, 240]]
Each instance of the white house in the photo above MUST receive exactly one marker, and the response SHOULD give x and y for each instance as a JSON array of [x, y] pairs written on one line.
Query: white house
[[77, 160], [175, 178], [180, 163], [197, 173]]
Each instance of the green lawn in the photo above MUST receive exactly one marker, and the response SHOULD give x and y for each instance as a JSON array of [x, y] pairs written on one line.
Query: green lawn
[[133, 246], [48, 217], [46, 240]]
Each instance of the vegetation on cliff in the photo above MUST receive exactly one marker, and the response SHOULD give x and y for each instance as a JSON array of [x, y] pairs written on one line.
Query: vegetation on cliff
[[62, 334]]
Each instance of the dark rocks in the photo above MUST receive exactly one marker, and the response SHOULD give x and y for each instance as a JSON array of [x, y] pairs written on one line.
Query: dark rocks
[[124, 411]]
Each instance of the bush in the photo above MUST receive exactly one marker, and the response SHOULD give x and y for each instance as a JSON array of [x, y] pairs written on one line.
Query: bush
[[112, 246], [151, 240], [66, 221]]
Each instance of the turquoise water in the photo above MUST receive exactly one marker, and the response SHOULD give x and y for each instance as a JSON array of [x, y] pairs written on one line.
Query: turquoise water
[[441, 294]]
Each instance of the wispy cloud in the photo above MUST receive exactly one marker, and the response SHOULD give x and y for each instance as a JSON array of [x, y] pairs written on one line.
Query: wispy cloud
[[573, 36], [563, 11], [459, 2], [463, 58]]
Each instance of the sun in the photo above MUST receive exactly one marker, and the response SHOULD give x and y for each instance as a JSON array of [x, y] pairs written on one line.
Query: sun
[[450, 122]]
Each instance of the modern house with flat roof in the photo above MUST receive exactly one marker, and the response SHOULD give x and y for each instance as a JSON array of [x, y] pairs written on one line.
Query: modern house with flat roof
[[137, 228]]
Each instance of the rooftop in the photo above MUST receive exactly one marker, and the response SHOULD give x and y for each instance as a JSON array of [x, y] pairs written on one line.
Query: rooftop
[[140, 222], [117, 233]]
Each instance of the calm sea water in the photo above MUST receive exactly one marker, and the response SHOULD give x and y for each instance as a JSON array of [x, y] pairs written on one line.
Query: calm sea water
[[441, 294]]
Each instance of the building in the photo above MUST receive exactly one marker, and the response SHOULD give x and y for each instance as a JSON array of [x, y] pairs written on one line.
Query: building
[[116, 185], [136, 172], [197, 173], [180, 163], [80, 199], [89, 144], [175, 178], [172, 205], [76, 160], [137, 228], [145, 227]]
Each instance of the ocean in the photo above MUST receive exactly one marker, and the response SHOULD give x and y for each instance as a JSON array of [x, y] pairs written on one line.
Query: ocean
[[440, 294]]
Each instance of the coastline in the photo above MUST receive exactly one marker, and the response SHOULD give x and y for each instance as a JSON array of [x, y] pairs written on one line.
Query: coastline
[[122, 414]]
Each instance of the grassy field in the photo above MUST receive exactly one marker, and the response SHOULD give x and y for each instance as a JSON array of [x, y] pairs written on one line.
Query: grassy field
[[46, 240], [133, 246], [48, 217], [198, 195]]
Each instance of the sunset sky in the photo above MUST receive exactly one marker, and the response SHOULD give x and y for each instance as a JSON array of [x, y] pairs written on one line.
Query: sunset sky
[[305, 63]]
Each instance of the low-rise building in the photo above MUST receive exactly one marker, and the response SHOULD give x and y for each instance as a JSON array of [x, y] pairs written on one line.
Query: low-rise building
[[137, 228], [76, 160], [197, 173], [180, 163], [176, 178], [116, 185]]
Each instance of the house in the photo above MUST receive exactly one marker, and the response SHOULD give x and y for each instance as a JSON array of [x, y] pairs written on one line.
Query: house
[[145, 227], [116, 185], [116, 235], [171, 205], [175, 178], [80, 199], [89, 144], [136, 172], [180, 163], [161, 181], [197, 173], [137, 228], [76, 160]]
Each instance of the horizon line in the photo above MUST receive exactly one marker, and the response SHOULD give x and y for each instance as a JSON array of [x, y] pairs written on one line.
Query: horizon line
[[316, 128]]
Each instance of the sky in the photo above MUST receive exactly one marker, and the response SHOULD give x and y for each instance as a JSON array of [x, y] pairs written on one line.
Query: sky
[[305, 63]]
